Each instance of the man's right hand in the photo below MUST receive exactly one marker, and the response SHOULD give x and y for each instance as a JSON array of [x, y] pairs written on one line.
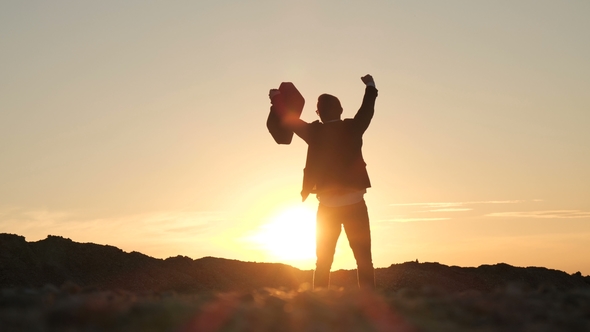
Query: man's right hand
[[273, 92]]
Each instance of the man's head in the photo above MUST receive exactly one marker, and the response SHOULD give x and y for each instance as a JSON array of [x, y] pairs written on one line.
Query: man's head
[[329, 108]]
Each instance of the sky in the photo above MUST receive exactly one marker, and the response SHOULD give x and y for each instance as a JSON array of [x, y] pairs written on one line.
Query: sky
[[141, 124]]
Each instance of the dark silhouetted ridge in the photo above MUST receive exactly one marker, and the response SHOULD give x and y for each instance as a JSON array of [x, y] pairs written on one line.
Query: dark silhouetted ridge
[[57, 260]]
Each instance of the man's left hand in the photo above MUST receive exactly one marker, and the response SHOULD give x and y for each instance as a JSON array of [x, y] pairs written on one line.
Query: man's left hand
[[368, 80]]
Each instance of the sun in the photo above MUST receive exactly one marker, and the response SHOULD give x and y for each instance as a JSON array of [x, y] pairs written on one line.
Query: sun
[[289, 235]]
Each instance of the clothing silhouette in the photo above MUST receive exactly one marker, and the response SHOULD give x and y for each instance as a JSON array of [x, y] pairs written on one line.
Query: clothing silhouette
[[336, 172]]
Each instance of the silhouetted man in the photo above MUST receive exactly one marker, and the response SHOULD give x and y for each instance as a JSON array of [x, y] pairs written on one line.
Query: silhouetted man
[[335, 171]]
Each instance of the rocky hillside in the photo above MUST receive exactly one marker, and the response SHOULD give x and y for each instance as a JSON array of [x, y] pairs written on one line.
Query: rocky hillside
[[57, 260]]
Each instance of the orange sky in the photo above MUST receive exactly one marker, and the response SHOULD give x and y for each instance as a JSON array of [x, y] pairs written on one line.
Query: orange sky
[[142, 125]]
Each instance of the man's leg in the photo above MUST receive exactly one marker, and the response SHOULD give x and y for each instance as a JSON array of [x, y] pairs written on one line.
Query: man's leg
[[328, 229], [356, 226]]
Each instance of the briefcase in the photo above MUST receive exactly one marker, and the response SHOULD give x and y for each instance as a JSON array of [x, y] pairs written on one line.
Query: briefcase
[[289, 101]]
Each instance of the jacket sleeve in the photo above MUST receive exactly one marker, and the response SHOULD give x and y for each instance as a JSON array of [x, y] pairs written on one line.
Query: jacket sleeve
[[298, 126], [365, 113]]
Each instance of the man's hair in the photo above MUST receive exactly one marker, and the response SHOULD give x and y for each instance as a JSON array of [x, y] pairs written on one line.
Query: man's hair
[[329, 107]]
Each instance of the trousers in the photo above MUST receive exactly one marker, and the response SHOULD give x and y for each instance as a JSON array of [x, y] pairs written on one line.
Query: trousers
[[355, 220]]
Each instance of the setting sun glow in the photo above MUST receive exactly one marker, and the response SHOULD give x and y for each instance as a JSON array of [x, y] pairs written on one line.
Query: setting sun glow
[[289, 235]]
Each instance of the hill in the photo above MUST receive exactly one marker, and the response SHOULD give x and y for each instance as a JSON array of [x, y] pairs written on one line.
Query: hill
[[57, 260]]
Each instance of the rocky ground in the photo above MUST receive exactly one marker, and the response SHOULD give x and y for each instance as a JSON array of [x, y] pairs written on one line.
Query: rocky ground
[[511, 308], [57, 284]]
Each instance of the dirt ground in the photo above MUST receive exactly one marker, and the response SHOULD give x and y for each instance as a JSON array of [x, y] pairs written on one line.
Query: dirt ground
[[511, 308]]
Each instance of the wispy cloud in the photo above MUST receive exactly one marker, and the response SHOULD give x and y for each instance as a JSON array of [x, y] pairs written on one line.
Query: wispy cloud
[[451, 210], [446, 207], [452, 204], [412, 219], [182, 221], [549, 214], [158, 234], [43, 222]]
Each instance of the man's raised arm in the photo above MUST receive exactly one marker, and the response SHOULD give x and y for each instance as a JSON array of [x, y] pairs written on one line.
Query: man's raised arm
[[365, 113]]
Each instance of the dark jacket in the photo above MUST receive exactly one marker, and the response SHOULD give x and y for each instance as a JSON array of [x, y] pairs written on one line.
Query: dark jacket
[[334, 157]]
